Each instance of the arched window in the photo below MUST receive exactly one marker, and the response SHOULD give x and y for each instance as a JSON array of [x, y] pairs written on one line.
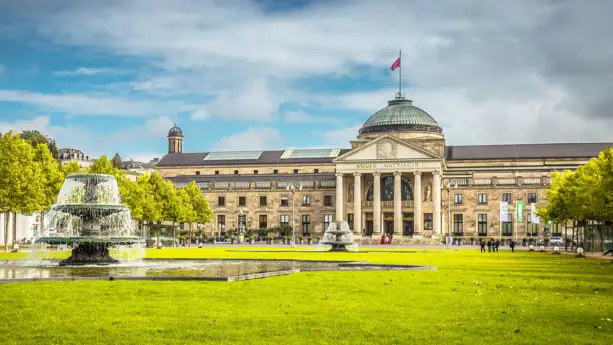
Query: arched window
[[387, 190]]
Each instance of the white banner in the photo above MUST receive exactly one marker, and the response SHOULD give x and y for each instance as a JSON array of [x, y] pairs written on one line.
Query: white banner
[[534, 219], [504, 211]]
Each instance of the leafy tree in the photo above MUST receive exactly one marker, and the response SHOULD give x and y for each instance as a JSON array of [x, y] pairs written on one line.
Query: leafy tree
[[71, 167], [200, 205], [20, 178], [117, 163], [51, 176], [102, 165], [35, 138]]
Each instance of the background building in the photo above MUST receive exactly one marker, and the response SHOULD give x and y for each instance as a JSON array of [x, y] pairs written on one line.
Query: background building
[[398, 177], [68, 155]]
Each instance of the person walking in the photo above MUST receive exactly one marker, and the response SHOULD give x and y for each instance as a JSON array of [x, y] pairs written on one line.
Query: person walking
[[497, 245], [447, 241], [512, 245], [489, 245], [482, 244]]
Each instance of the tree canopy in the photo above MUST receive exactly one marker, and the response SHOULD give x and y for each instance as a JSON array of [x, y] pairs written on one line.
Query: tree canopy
[[585, 194], [117, 163], [35, 138]]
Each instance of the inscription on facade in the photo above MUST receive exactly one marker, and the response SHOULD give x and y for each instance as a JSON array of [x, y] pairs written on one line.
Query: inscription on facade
[[412, 165]]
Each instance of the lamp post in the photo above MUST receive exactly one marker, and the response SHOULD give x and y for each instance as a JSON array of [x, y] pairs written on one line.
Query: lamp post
[[448, 187], [292, 186]]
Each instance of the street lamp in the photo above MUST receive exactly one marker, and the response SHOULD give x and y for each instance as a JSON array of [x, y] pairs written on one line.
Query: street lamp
[[448, 187], [292, 186]]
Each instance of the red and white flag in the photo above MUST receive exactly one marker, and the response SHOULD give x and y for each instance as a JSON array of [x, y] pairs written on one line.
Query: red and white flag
[[396, 64]]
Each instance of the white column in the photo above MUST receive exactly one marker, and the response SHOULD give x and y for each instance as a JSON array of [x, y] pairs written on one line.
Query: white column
[[339, 196], [417, 213], [436, 203], [397, 204], [357, 204], [376, 215]]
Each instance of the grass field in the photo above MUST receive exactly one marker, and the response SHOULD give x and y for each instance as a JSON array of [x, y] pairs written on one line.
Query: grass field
[[473, 298]]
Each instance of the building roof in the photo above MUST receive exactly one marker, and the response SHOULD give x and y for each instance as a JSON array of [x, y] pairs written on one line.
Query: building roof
[[175, 132], [400, 115], [264, 158], [525, 151], [452, 153], [254, 178]]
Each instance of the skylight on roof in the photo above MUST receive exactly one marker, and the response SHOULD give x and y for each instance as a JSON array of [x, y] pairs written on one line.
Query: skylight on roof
[[311, 153], [232, 155]]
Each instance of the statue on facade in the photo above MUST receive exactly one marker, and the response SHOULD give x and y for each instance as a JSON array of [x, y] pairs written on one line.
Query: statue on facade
[[428, 193], [350, 192]]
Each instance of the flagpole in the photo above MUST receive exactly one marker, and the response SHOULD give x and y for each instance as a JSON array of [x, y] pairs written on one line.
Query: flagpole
[[400, 74]]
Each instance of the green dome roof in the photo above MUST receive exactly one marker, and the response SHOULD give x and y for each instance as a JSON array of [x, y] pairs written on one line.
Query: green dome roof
[[400, 115]]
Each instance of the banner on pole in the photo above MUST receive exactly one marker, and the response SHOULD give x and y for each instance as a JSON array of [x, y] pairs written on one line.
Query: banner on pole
[[504, 211], [534, 219], [519, 211]]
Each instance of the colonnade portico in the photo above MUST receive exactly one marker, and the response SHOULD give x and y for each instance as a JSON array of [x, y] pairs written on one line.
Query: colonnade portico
[[430, 195]]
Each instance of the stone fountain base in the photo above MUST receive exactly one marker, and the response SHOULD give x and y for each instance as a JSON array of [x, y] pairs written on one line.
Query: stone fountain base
[[89, 254], [339, 248]]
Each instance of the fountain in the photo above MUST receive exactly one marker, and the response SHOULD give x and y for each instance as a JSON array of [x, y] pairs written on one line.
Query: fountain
[[339, 236], [89, 217]]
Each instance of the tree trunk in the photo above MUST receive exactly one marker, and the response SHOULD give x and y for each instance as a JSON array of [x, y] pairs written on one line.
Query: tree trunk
[[572, 243], [174, 239], [565, 236], [14, 228], [6, 230], [189, 235]]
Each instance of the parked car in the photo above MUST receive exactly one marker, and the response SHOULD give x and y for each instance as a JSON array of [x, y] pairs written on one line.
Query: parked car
[[553, 240]]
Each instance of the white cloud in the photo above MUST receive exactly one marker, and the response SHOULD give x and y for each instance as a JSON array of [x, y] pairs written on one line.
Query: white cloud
[[85, 71], [85, 104], [251, 139], [340, 137], [302, 117], [253, 101]]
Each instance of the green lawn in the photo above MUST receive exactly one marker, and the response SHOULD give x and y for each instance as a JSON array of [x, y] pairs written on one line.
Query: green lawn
[[473, 298]]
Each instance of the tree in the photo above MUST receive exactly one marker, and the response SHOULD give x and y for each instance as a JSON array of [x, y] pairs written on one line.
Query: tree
[[200, 205], [117, 163], [51, 178], [71, 167], [35, 138], [20, 178], [102, 165]]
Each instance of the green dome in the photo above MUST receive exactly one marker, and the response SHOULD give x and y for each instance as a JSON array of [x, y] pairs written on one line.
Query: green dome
[[400, 116]]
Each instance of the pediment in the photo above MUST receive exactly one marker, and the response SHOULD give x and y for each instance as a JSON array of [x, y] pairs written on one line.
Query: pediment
[[386, 148]]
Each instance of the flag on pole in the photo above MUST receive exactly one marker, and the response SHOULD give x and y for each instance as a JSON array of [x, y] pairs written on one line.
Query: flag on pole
[[504, 211], [396, 64], [534, 219], [519, 211]]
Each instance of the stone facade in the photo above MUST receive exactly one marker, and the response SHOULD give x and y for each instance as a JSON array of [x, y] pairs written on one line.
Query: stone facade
[[426, 189]]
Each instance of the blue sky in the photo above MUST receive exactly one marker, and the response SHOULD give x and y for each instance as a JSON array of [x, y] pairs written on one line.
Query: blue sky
[[114, 76]]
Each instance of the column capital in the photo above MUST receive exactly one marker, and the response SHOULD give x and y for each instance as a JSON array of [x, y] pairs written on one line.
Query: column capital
[[436, 172], [417, 173], [376, 173], [357, 174], [338, 174], [397, 173]]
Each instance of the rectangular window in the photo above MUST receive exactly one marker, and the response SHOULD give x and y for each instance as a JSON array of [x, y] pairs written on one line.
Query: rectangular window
[[216, 172], [457, 199], [531, 229], [221, 224], [235, 172], [276, 171], [255, 172], [262, 200], [458, 224], [316, 171], [284, 220], [428, 221], [327, 200], [221, 201], [197, 172], [482, 224], [482, 198], [306, 224], [532, 198], [327, 221], [555, 229], [306, 200], [284, 201], [507, 227], [295, 171], [263, 221], [242, 201], [507, 197]]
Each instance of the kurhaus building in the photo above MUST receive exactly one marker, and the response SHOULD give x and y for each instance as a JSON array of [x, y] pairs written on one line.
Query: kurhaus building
[[398, 177]]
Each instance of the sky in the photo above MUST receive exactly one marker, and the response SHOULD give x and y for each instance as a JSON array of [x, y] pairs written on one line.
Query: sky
[[115, 76]]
